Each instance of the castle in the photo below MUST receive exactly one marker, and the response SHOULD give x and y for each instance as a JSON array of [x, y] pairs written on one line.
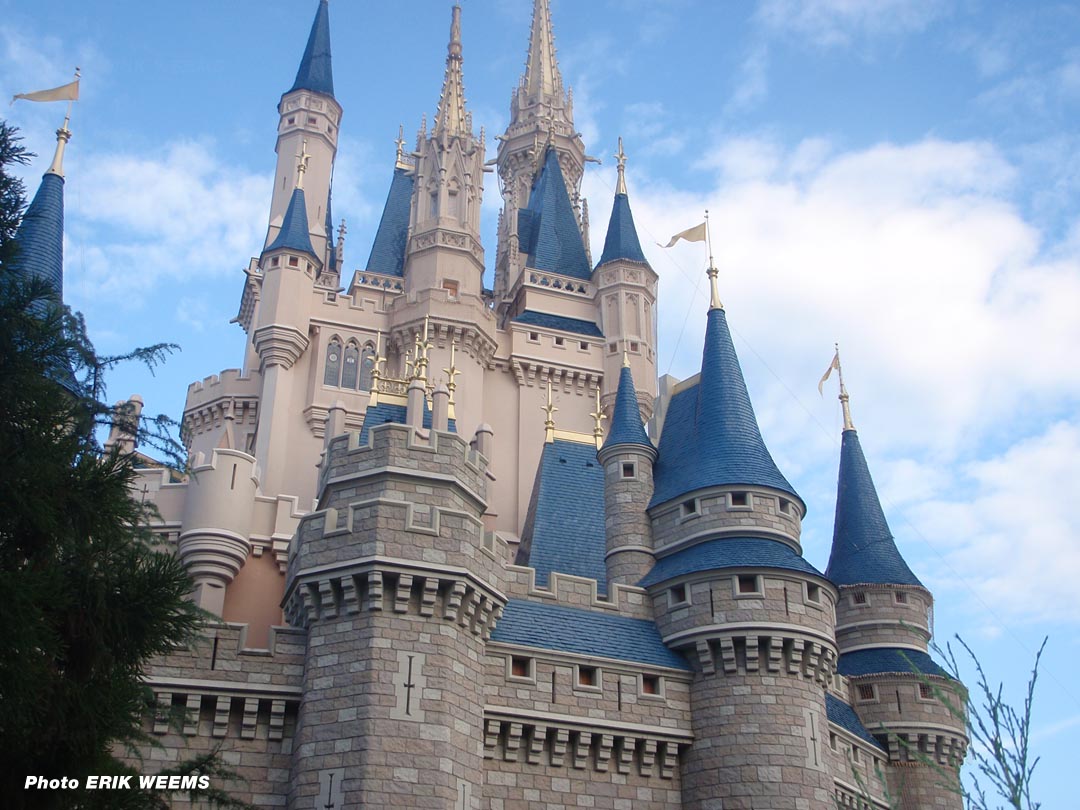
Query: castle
[[439, 589]]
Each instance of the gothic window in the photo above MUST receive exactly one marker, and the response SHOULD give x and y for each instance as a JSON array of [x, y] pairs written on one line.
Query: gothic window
[[332, 376], [349, 372], [367, 366]]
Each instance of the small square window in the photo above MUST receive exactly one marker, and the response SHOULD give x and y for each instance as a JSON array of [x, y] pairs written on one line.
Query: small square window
[[740, 498], [312, 120], [901, 597], [858, 598], [612, 348], [926, 691], [521, 666], [588, 677], [689, 507], [677, 595], [634, 347], [583, 346], [560, 341], [813, 592], [748, 583], [650, 684], [451, 288], [629, 469], [534, 337], [274, 262], [290, 120], [785, 506], [867, 692], [294, 261]]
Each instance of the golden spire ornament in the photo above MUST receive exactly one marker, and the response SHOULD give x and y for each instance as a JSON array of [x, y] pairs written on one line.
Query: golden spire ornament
[[549, 411], [598, 420]]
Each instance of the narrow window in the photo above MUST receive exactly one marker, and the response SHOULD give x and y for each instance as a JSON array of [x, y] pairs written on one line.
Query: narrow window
[[901, 597], [560, 341], [748, 583], [859, 598], [332, 376], [634, 347], [628, 469], [367, 366], [650, 684], [534, 337], [785, 507], [866, 691], [678, 594], [294, 261], [612, 348], [521, 666], [588, 676], [813, 592], [349, 372], [689, 507], [274, 262], [832, 741]]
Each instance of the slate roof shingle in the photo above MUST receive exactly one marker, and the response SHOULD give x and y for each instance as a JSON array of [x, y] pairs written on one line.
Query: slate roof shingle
[[844, 716], [863, 549], [621, 241], [316, 72], [294, 227], [388, 249], [386, 413], [548, 230], [546, 320], [888, 660], [711, 435], [584, 632], [626, 426], [727, 552]]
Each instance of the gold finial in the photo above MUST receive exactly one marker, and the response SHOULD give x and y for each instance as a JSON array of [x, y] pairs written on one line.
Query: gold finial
[[598, 421], [620, 157], [549, 423], [301, 165], [625, 359], [63, 135], [452, 371], [845, 407], [342, 230], [712, 272], [376, 369], [399, 160]]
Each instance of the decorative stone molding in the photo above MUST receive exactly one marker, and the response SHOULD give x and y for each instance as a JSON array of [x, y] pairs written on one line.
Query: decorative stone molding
[[279, 345]]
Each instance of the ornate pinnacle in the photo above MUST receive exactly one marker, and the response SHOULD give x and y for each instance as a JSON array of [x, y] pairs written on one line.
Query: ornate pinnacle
[[549, 411], [598, 420], [845, 407], [301, 166], [620, 157], [422, 347], [399, 161], [452, 371]]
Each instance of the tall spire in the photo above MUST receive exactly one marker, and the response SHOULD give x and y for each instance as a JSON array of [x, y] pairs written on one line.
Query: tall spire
[[41, 233], [542, 79], [316, 72], [863, 550], [622, 240], [452, 118]]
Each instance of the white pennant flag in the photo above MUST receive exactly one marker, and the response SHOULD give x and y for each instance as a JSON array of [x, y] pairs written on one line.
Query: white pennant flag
[[65, 92], [695, 234], [835, 364]]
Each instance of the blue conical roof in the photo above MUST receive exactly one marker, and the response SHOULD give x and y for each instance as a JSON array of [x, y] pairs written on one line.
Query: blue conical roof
[[863, 550], [388, 249], [626, 427], [41, 236], [711, 435], [547, 228], [316, 73], [622, 239], [294, 227]]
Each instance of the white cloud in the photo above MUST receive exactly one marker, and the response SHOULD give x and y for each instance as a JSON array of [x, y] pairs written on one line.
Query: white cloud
[[828, 23]]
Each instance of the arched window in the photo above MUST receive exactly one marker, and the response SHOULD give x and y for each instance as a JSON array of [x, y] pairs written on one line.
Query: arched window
[[367, 365], [352, 360], [333, 363]]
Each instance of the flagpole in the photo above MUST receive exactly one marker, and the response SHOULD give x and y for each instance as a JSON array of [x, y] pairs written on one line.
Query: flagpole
[[712, 272], [708, 237]]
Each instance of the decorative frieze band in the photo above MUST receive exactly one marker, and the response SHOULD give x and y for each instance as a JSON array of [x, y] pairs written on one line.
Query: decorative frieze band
[[253, 712], [767, 655]]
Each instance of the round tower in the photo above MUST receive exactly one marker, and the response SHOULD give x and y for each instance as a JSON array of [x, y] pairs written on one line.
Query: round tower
[[627, 457], [883, 629], [215, 529], [731, 591]]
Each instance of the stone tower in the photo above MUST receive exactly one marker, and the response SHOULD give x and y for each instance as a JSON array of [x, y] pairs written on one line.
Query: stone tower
[[731, 590], [883, 628]]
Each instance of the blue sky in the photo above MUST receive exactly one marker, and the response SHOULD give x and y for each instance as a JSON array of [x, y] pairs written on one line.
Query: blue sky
[[902, 176]]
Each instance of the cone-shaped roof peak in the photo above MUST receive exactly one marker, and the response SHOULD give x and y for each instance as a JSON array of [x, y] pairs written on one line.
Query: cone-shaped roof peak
[[316, 71]]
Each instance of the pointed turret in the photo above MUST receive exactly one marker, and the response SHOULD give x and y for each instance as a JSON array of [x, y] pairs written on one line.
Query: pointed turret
[[310, 118], [316, 72], [622, 239], [294, 231], [626, 425], [863, 550], [711, 435], [452, 119], [547, 227], [40, 237]]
